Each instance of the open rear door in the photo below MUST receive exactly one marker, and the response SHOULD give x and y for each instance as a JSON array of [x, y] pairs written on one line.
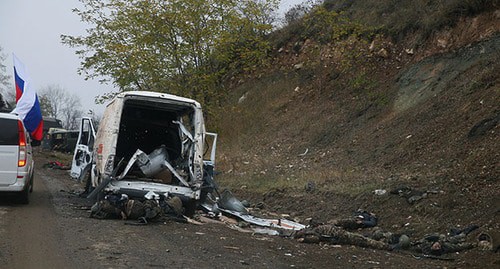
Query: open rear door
[[82, 156], [211, 145], [209, 158]]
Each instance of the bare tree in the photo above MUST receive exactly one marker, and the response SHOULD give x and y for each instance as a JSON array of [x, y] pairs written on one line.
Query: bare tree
[[5, 84], [57, 102], [55, 98], [71, 112]]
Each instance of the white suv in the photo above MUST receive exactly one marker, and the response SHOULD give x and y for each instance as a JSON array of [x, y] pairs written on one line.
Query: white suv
[[16, 157]]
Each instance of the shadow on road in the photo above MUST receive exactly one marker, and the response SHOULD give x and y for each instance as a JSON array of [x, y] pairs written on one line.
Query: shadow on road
[[11, 199]]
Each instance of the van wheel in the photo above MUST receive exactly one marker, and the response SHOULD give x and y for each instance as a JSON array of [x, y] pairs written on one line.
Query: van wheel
[[24, 196], [88, 182], [31, 182]]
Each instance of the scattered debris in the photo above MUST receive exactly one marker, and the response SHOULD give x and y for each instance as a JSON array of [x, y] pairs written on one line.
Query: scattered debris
[[56, 165], [489, 241], [418, 257], [271, 223], [411, 195], [298, 66], [226, 208], [372, 46], [310, 186], [380, 192], [192, 221], [305, 152], [360, 219], [266, 231], [409, 51], [242, 98], [228, 201], [383, 53]]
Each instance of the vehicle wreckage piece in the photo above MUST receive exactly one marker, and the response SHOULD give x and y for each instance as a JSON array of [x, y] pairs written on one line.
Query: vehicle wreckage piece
[[82, 155], [271, 223], [229, 202], [162, 140], [152, 164]]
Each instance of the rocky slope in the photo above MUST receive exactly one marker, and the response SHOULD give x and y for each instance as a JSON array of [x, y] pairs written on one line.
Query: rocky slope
[[304, 139]]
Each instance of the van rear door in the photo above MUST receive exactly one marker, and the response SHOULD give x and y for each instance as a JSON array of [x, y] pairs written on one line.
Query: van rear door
[[82, 156], [9, 147]]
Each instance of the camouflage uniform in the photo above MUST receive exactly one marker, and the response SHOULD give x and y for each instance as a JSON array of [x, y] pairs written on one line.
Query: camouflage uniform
[[395, 241], [438, 244], [156, 211], [116, 206], [336, 235], [361, 219], [134, 209], [109, 208]]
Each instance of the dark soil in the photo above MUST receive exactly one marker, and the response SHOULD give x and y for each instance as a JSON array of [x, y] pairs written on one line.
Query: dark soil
[[300, 145], [55, 231]]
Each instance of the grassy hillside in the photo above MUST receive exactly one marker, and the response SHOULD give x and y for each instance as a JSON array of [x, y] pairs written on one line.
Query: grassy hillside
[[403, 17], [315, 132]]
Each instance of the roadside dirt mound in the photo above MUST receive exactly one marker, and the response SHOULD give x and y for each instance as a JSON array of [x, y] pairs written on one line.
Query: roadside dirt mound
[[301, 143]]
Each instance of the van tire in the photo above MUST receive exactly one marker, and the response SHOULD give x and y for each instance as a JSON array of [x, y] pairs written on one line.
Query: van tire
[[24, 196], [86, 177], [31, 182]]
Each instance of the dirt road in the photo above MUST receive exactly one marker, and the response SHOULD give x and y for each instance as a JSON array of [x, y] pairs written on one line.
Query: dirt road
[[54, 231], [30, 237]]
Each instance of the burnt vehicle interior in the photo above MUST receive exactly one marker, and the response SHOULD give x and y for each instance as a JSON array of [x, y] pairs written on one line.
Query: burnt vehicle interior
[[149, 127]]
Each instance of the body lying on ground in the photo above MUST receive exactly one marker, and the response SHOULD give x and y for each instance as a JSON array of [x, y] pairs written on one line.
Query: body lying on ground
[[337, 235], [433, 244]]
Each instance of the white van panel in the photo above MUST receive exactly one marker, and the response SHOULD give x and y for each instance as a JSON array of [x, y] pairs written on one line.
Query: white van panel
[[8, 164], [106, 137]]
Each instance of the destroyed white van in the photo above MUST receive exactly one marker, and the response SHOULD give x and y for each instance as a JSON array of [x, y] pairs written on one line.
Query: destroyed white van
[[147, 142]]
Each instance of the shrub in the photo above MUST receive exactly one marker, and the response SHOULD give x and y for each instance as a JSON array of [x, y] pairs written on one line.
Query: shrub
[[401, 17]]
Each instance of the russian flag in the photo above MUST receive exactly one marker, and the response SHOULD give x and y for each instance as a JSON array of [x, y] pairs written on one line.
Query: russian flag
[[28, 107]]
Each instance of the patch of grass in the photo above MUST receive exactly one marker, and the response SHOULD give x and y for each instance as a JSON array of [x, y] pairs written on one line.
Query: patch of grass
[[399, 18], [342, 182], [249, 111], [380, 99], [260, 184], [363, 83]]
